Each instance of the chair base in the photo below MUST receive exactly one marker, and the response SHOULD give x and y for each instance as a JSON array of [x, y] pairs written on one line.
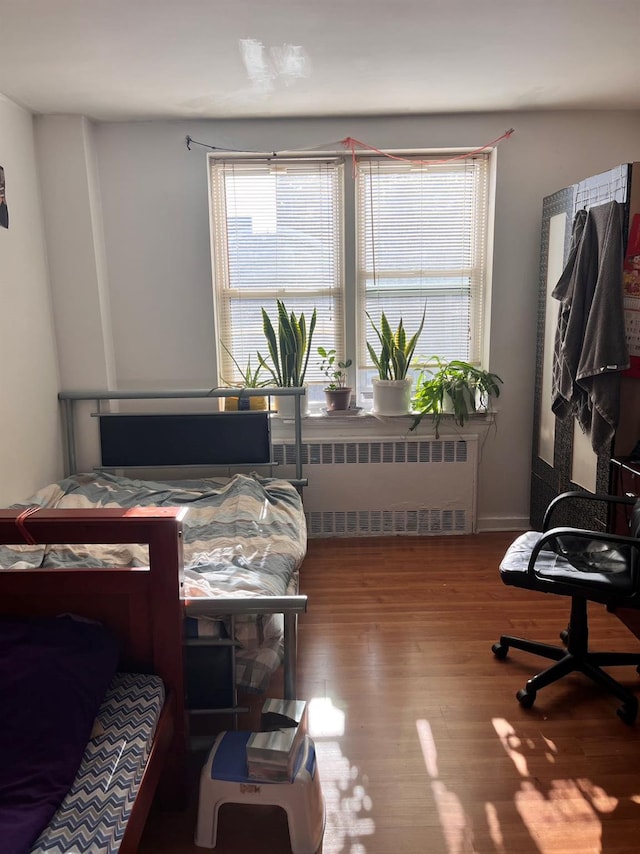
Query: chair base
[[568, 661]]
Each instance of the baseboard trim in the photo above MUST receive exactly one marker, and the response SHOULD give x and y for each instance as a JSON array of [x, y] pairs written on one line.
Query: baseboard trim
[[487, 524]]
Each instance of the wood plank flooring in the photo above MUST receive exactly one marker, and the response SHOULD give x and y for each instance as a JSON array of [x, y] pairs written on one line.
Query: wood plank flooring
[[422, 747]]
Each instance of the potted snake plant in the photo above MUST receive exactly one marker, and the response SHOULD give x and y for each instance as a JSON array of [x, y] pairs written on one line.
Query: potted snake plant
[[392, 386], [288, 350]]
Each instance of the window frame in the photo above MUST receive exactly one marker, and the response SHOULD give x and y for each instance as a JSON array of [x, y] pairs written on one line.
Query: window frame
[[353, 320], [332, 296], [475, 171]]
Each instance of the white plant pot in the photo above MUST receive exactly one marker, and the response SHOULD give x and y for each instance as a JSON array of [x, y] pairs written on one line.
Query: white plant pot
[[286, 406], [473, 398], [391, 397]]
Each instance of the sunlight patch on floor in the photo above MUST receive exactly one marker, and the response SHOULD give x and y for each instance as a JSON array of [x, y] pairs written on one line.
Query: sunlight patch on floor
[[348, 806], [454, 822], [495, 830], [324, 719], [550, 810], [558, 806]]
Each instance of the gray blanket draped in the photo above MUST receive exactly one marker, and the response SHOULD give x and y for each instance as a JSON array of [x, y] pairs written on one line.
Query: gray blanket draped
[[590, 346]]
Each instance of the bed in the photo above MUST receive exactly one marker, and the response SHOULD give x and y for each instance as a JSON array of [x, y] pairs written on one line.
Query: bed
[[66, 635], [244, 539], [244, 534]]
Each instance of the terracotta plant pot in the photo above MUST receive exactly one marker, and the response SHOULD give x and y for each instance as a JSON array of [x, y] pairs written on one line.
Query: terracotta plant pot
[[337, 398]]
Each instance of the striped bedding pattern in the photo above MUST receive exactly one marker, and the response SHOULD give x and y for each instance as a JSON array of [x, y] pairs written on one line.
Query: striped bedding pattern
[[242, 537], [94, 814]]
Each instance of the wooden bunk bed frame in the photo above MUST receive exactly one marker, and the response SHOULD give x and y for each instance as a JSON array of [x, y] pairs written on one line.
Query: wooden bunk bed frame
[[141, 606]]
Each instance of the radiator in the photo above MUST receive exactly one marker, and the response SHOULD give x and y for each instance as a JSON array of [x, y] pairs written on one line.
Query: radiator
[[365, 487]]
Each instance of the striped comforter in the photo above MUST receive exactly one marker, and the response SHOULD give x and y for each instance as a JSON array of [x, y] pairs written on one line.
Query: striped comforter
[[243, 537]]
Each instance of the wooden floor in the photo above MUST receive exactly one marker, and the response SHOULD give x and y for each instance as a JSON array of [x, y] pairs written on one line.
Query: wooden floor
[[422, 747]]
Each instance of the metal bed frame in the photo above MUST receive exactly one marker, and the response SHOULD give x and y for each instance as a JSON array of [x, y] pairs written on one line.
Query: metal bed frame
[[68, 400], [289, 606]]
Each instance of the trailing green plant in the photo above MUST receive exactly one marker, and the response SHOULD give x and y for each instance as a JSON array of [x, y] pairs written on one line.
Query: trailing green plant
[[467, 388], [334, 371], [250, 376], [396, 351], [289, 350]]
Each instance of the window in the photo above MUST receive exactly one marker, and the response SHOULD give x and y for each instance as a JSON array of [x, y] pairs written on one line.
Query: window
[[416, 241], [421, 239], [277, 234]]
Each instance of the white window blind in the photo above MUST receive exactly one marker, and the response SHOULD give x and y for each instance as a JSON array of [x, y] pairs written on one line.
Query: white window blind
[[421, 243], [277, 233]]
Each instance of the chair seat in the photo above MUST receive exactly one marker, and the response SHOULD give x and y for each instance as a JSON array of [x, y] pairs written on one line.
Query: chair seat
[[601, 570]]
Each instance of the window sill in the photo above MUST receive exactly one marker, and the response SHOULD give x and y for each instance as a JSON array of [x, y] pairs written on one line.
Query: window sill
[[365, 423]]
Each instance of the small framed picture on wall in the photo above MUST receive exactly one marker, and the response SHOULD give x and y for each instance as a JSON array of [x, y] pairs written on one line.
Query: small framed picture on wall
[[4, 210]]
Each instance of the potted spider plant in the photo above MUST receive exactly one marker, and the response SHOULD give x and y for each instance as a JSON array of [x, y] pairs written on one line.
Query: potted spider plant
[[250, 378], [337, 393], [454, 388], [392, 386], [288, 350]]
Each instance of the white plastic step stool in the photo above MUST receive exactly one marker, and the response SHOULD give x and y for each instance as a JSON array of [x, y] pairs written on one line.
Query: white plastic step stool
[[224, 779]]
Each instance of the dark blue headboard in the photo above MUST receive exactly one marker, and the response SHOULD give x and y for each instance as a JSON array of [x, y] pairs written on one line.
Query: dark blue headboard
[[185, 439]]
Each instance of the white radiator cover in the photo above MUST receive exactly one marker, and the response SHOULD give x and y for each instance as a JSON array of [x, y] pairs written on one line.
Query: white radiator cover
[[374, 487]]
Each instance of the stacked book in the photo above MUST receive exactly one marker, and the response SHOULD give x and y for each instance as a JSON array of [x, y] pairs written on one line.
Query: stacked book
[[272, 753]]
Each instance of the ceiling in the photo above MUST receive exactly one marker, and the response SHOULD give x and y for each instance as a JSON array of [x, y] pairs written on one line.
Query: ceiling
[[153, 59]]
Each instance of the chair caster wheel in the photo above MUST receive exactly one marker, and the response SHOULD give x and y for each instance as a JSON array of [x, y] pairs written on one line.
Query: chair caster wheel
[[628, 712], [526, 698], [501, 651], [564, 637]]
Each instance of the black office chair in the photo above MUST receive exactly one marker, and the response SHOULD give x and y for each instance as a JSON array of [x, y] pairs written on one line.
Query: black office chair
[[587, 566]]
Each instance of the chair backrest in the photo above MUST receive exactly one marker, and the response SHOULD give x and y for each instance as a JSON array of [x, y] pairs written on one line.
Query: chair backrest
[[634, 524]]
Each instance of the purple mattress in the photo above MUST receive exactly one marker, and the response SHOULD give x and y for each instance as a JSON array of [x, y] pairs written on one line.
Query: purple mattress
[[54, 673]]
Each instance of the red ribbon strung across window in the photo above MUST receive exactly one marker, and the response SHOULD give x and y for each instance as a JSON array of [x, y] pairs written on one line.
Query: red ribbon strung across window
[[352, 144]]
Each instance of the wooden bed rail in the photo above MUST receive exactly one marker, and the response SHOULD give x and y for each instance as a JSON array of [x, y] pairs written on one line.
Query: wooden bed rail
[[93, 525]]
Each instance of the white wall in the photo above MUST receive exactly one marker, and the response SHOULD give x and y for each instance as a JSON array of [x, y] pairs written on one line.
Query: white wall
[[30, 450], [75, 247], [155, 212]]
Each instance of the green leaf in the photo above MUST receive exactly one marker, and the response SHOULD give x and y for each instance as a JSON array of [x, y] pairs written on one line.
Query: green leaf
[[374, 358], [272, 346], [267, 367], [307, 346], [387, 334]]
